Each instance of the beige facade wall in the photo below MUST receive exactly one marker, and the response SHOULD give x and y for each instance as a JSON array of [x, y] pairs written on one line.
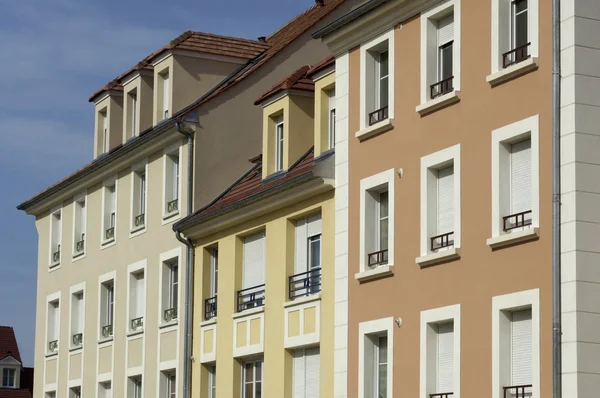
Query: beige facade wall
[[480, 273]]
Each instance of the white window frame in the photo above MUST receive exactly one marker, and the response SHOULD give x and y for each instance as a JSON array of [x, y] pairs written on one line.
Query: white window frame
[[133, 112], [331, 110], [103, 385], [166, 82], [54, 297], [214, 271], [429, 44], [75, 329], [139, 200], [170, 180], [430, 318], [104, 130], [53, 214], [502, 33], [102, 279], [79, 217], [376, 183], [279, 142], [366, 91], [132, 270], [212, 383], [75, 392], [167, 258], [135, 385], [430, 163], [500, 138], [14, 377], [366, 331], [508, 303], [262, 376], [111, 182]]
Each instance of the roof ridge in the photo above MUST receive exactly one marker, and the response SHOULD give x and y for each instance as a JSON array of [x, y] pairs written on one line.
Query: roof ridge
[[230, 37]]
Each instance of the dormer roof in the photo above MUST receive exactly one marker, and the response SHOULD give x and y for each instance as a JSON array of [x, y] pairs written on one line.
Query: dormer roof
[[295, 81], [8, 344]]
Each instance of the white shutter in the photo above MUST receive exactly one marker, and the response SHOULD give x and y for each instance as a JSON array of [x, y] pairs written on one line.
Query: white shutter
[[520, 176], [445, 358], [521, 348], [313, 224], [301, 247], [254, 260], [445, 30], [445, 202], [312, 371], [298, 375]]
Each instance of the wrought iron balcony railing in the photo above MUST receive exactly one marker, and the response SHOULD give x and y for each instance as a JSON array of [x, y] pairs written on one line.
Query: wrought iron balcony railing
[[140, 220], [79, 246], [378, 258], [442, 241], [251, 297], [53, 346], [173, 206], [109, 234], [522, 391], [305, 283], [170, 314], [441, 395], [378, 115], [516, 55], [107, 331], [137, 324], [442, 87], [517, 220], [210, 308], [77, 339], [56, 255]]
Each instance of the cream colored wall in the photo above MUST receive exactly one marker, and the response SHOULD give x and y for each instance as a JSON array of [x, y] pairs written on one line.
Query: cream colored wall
[[321, 137], [97, 261], [113, 103], [279, 228]]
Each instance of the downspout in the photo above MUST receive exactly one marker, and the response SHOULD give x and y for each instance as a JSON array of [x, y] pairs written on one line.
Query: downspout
[[189, 267], [556, 265]]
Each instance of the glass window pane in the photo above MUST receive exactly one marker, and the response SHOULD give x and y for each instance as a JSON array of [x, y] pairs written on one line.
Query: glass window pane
[[383, 93], [383, 349], [315, 251], [249, 393], [383, 204], [249, 373], [382, 382], [383, 234], [383, 64], [258, 371], [258, 389], [520, 5], [521, 29], [447, 71]]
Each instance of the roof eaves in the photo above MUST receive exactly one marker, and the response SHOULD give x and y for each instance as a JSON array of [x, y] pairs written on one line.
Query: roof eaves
[[347, 18]]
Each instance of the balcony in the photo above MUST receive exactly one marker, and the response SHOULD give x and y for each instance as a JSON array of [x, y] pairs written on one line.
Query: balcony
[[304, 284], [442, 241], [210, 308], [442, 87], [378, 258], [516, 56], [107, 331], [170, 314], [251, 297], [378, 115], [522, 391], [518, 220], [53, 346], [173, 206], [137, 324]]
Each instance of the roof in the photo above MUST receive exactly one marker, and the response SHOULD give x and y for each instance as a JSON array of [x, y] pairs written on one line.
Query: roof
[[250, 188], [349, 17], [296, 81], [200, 42], [319, 66], [11, 393], [8, 343]]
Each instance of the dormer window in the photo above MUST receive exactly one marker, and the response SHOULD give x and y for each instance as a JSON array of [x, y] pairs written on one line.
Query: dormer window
[[8, 378], [133, 113], [165, 92], [279, 143], [103, 118], [331, 121]]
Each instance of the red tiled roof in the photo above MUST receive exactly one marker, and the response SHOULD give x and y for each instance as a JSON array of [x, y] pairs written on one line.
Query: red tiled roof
[[8, 344], [10, 393], [296, 80], [198, 42], [319, 66]]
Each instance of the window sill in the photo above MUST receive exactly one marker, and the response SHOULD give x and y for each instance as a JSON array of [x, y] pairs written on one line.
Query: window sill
[[513, 238], [376, 273], [252, 311], [78, 256], [75, 349], [302, 300], [53, 267], [210, 322], [440, 257], [108, 243], [51, 355], [106, 340], [137, 231], [170, 217], [439, 103], [512, 71], [377, 128], [168, 324], [135, 333]]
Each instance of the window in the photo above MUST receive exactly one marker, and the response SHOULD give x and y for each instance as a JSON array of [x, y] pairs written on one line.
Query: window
[[331, 123], [516, 345], [166, 95], [168, 384], [212, 381], [134, 387], [109, 217], [105, 389], [139, 198], [279, 143], [252, 378], [440, 206], [377, 215], [8, 378], [51, 394], [306, 373], [375, 365], [307, 257], [133, 113], [253, 272], [170, 294], [214, 271], [77, 318], [440, 338], [103, 129], [171, 186], [515, 182], [75, 392], [55, 237], [377, 80], [53, 326], [137, 300], [79, 226], [514, 33], [107, 305]]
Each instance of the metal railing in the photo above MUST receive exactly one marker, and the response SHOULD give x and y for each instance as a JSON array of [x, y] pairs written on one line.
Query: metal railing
[[140, 220], [77, 339], [53, 346], [442, 87], [251, 297], [517, 391], [305, 283], [107, 331], [442, 241], [516, 55], [378, 115], [377, 258], [170, 314], [173, 206], [519, 221], [210, 308], [109, 233], [79, 246], [441, 395], [56, 255], [137, 323]]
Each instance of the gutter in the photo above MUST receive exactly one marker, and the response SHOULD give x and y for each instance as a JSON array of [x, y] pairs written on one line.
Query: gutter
[[556, 232], [348, 18]]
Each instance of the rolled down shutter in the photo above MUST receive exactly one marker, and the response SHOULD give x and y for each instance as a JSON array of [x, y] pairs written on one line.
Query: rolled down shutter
[[254, 260], [445, 358], [313, 224], [298, 374], [520, 176], [445, 202], [446, 30], [312, 370], [305, 228], [521, 348]]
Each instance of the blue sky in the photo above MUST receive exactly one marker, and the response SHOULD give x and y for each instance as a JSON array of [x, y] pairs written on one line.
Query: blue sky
[[56, 53]]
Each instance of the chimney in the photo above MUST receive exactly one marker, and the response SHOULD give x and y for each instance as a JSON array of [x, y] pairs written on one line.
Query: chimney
[[320, 3], [262, 38]]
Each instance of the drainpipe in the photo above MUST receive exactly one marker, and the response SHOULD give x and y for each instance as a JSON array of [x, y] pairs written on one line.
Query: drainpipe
[[189, 268], [556, 265]]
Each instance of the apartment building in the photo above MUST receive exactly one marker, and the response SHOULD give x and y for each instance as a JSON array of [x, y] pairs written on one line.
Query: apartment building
[[443, 171], [112, 309], [264, 270]]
